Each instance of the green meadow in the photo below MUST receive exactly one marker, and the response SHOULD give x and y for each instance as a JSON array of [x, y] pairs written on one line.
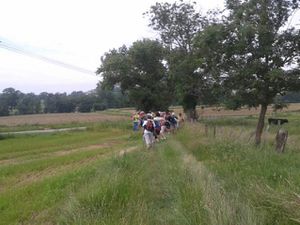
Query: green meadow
[[206, 173]]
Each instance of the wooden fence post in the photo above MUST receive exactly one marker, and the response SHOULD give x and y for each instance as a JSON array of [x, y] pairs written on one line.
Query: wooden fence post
[[206, 130], [215, 130], [281, 139]]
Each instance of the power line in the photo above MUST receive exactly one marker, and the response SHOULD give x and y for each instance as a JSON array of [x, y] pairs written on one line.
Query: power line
[[44, 58]]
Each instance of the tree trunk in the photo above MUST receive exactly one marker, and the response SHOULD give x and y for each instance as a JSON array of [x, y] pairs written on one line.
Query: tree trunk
[[260, 124], [189, 106], [191, 114]]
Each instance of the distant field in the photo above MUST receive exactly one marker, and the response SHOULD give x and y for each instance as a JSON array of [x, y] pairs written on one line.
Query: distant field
[[214, 111], [60, 118], [208, 112], [121, 115]]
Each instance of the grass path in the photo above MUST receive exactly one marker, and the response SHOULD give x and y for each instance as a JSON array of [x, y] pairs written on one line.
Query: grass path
[[167, 185], [143, 187]]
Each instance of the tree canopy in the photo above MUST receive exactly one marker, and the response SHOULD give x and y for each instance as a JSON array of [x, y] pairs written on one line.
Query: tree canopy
[[177, 25], [256, 51], [140, 72]]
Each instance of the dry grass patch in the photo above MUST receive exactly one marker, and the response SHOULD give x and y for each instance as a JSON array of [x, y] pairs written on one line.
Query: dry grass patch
[[59, 118], [208, 112]]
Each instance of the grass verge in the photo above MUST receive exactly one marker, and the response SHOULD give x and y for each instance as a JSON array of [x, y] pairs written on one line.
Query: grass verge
[[259, 177]]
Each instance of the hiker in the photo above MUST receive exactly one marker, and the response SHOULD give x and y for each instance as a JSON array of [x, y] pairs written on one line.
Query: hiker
[[158, 122], [163, 128], [142, 118], [172, 121], [167, 123], [148, 134], [136, 120], [180, 121]]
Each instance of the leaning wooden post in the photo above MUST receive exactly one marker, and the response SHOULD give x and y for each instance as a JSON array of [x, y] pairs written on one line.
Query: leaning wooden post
[[281, 139], [206, 130], [215, 130]]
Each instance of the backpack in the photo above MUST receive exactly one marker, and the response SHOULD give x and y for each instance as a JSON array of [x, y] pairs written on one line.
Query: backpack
[[149, 126], [157, 123], [167, 124], [173, 120]]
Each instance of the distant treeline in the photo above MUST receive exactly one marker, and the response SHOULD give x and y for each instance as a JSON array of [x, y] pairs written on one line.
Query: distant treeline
[[291, 97], [14, 102]]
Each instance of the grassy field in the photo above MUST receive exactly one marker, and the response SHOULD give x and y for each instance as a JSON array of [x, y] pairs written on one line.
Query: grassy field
[[60, 120], [104, 175]]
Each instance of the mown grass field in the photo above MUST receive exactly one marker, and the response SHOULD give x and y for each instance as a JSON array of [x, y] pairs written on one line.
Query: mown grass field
[[61, 120], [104, 175]]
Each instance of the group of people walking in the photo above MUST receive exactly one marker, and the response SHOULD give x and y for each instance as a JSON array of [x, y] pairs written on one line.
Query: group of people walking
[[156, 125]]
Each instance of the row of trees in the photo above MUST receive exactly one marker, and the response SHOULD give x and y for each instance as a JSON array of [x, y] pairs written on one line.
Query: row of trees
[[246, 55], [15, 102]]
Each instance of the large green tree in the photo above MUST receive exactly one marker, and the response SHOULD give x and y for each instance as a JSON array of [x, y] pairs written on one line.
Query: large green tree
[[140, 72], [177, 25], [256, 51]]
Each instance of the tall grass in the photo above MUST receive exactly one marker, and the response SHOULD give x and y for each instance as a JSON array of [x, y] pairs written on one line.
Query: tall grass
[[259, 177]]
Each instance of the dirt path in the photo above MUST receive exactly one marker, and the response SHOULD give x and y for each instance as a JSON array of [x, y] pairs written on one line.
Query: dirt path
[[44, 131]]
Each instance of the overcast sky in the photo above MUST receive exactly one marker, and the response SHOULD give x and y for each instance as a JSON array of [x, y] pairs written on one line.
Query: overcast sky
[[74, 32]]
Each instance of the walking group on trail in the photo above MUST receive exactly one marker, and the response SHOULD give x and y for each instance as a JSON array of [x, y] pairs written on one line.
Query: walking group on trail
[[155, 126]]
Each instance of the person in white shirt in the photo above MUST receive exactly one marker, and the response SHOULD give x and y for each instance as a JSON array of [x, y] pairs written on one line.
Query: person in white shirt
[[148, 134], [159, 126]]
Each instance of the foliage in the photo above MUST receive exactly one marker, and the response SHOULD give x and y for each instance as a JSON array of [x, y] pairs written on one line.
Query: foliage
[[177, 25], [15, 102], [3, 107], [278, 104], [10, 96], [8, 101], [110, 98], [140, 73], [256, 51], [28, 104]]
